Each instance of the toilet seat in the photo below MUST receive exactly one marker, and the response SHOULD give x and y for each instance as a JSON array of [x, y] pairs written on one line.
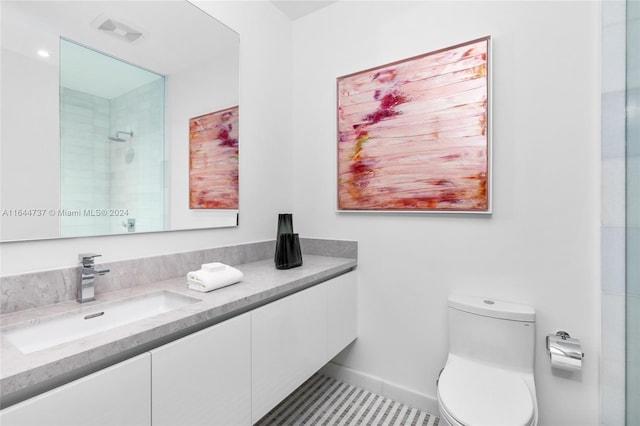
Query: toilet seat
[[475, 394]]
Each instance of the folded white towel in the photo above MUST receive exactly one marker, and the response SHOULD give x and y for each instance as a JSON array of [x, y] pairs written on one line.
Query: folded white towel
[[213, 267], [205, 281]]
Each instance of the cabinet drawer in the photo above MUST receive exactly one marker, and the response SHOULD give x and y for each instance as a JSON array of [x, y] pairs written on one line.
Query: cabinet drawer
[[204, 378], [342, 310], [118, 395], [288, 345]]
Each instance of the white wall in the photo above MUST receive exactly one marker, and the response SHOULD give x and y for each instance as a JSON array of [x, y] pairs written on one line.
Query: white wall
[[541, 245], [30, 139], [265, 155]]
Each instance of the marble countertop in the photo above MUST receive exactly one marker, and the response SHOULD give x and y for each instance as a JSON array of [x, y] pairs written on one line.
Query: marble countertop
[[24, 375]]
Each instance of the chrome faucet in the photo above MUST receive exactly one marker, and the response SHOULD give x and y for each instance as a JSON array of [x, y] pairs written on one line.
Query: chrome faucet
[[86, 280]]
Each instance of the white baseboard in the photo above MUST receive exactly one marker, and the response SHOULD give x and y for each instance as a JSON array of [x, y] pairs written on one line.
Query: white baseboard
[[376, 385]]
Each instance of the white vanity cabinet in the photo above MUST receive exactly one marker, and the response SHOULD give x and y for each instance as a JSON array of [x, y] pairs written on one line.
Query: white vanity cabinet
[[342, 312], [294, 337], [232, 373], [118, 395], [204, 378], [288, 345]]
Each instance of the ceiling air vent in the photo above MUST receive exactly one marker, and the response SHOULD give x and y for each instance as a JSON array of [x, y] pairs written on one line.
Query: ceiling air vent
[[117, 29]]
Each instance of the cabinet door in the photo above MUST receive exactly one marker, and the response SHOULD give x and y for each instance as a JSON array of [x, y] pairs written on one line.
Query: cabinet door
[[288, 345], [118, 395], [342, 309], [204, 378]]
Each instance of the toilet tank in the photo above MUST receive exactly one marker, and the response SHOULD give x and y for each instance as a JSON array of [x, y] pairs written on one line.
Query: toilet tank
[[491, 331]]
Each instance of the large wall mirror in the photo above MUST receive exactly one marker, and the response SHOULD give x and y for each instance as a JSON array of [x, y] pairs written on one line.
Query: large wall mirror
[[97, 98]]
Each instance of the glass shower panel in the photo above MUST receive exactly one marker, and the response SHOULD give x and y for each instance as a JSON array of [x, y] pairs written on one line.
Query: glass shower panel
[[633, 214], [112, 144]]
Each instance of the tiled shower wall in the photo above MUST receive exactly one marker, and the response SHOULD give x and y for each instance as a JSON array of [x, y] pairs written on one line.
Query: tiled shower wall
[[612, 364], [633, 214], [137, 175], [84, 163], [112, 175]]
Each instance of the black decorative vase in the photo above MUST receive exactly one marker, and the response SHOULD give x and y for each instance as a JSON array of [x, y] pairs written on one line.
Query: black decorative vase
[[288, 253]]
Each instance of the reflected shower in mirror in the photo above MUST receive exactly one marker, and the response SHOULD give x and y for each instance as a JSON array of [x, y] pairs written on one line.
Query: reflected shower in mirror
[[98, 160], [74, 151]]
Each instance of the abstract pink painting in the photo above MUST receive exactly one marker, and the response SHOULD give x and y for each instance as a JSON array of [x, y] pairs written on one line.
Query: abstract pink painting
[[413, 135], [213, 160]]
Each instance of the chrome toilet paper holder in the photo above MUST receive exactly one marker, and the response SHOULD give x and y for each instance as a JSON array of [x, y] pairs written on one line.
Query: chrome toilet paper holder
[[566, 349]]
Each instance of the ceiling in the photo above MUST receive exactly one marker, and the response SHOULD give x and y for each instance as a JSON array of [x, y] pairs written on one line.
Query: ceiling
[[178, 36], [295, 9]]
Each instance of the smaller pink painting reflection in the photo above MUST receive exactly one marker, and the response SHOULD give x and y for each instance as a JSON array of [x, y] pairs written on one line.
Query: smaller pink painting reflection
[[213, 160]]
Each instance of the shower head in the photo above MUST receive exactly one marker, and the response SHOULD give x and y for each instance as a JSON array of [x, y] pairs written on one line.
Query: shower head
[[117, 137]]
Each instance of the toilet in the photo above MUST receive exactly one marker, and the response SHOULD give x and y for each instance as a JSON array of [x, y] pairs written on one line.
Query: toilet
[[488, 377]]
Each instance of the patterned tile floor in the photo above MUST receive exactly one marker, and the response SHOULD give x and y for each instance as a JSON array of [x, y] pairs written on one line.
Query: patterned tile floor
[[322, 400]]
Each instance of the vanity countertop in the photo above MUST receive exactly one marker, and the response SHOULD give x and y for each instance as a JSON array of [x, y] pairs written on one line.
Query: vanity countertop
[[262, 283]]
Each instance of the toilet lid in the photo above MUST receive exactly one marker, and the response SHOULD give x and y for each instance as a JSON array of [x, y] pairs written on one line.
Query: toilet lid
[[476, 394]]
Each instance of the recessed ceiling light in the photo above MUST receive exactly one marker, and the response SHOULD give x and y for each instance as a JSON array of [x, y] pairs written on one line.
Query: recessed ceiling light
[[43, 53]]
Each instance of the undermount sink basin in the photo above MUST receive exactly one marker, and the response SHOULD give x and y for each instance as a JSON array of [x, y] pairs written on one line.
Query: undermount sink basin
[[49, 332]]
